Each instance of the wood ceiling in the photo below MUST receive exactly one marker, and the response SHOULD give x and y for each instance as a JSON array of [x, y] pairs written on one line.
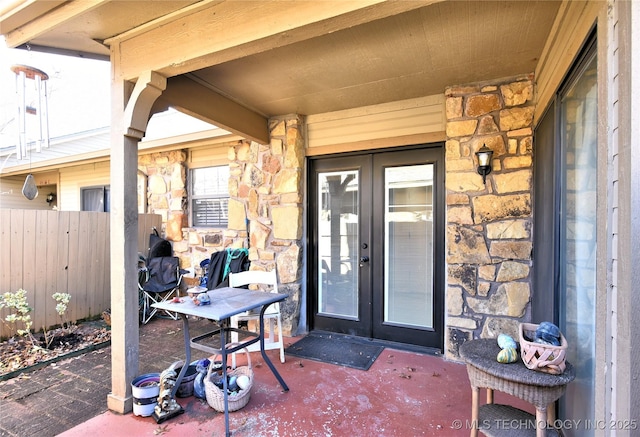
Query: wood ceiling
[[402, 56]]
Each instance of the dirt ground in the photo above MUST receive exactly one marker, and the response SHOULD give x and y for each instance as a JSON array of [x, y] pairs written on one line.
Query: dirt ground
[[20, 353]]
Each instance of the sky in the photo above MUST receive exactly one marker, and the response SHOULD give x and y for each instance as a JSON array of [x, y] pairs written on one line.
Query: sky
[[78, 92], [78, 96]]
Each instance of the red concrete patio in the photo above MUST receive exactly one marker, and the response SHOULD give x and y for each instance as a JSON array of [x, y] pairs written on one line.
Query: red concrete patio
[[402, 394]]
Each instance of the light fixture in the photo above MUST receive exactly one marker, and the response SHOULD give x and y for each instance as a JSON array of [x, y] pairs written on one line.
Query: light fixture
[[484, 162], [50, 198]]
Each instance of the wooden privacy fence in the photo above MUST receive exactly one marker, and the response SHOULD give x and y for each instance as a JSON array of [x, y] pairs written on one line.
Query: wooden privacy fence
[[44, 252]]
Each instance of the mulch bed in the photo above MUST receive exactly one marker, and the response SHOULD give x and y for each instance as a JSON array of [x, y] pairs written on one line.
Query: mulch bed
[[18, 354]]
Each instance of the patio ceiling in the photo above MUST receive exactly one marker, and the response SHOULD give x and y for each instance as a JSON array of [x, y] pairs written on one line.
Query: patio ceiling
[[406, 54]]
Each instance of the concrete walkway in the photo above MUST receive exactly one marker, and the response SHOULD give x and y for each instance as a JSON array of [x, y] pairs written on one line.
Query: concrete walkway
[[402, 394]]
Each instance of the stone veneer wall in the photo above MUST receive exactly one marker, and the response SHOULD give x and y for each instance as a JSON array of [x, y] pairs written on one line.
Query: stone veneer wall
[[489, 239], [167, 196], [265, 188], [166, 189]]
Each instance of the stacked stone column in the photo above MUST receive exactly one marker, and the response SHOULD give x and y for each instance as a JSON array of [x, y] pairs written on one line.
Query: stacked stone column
[[166, 190], [488, 239], [265, 186]]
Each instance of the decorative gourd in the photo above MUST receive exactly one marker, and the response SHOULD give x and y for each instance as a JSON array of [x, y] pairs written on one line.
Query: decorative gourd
[[507, 355], [505, 341]]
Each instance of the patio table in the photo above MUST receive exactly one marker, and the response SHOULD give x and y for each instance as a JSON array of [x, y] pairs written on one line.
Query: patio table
[[538, 388], [225, 303]]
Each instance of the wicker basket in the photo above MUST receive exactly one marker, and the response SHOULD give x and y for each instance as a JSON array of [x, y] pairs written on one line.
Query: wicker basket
[[541, 357], [215, 395]]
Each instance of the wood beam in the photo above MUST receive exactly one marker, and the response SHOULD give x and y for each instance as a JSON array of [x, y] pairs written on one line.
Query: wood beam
[[125, 345], [159, 106], [53, 18], [138, 110], [201, 102], [572, 25], [19, 12], [231, 30]]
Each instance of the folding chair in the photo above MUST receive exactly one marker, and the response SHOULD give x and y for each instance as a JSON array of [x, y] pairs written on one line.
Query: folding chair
[[272, 313], [159, 281]]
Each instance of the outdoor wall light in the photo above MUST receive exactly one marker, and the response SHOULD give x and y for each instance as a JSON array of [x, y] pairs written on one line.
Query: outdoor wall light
[[484, 162], [51, 197]]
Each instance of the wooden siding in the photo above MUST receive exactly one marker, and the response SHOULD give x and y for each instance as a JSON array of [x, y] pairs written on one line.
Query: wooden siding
[[570, 30], [67, 252], [209, 156], [72, 179], [621, 291], [415, 120], [11, 195]]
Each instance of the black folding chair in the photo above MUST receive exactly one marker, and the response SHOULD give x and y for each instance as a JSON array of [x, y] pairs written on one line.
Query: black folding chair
[[159, 281]]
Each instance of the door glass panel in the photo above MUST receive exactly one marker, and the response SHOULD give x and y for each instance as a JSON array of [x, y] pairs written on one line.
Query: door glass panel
[[338, 215], [578, 241], [408, 290]]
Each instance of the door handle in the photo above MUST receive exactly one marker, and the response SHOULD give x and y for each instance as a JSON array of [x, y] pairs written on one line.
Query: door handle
[[363, 259]]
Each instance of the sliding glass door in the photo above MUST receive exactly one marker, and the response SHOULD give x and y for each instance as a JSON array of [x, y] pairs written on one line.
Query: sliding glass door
[[578, 113]]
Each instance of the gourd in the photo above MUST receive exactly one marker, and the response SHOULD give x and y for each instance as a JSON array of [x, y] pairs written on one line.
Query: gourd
[[507, 355], [508, 352], [505, 341]]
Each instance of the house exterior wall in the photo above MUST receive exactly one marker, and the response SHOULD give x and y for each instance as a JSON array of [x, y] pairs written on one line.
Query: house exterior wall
[[266, 194], [392, 124], [488, 241], [72, 179], [11, 196], [489, 236], [166, 189], [609, 49], [622, 344], [215, 154], [197, 244], [265, 189]]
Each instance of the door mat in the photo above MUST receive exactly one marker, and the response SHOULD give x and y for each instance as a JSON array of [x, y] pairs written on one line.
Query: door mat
[[343, 350]]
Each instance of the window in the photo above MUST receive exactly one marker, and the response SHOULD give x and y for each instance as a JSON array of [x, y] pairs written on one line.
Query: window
[[96, 199], [210, 196], [565, 221]]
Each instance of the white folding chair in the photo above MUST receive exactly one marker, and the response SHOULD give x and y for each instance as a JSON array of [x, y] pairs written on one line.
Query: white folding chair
[[271, 314]]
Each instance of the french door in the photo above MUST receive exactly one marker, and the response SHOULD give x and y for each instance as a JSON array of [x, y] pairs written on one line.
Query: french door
[[377, 245]]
